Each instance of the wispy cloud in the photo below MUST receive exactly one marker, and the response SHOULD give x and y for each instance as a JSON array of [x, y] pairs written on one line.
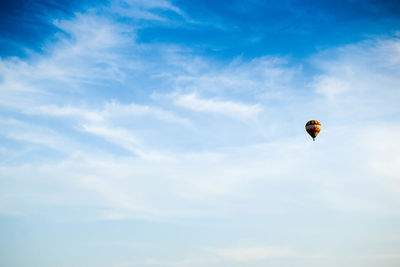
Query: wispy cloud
[[146, 10], [227, 108], [232, 174], [361, 75], [114, 110]]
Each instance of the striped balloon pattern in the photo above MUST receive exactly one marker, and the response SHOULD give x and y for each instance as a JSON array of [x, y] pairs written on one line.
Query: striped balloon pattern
[[313, 128]]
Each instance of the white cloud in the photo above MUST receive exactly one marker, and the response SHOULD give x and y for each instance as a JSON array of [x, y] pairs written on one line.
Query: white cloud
[[265, 77], [331, 87], [119, 205], [118, 135], [38, 135], [144, 9], [111, 111], [68, 111], [212, 172], [364, 77], [114, 110], [227, 108]]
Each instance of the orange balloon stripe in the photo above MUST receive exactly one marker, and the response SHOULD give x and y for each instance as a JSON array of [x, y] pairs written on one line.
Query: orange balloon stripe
[[313, 122]]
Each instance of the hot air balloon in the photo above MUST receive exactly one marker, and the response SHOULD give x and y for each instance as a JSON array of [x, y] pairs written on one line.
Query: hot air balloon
[[313, 128]]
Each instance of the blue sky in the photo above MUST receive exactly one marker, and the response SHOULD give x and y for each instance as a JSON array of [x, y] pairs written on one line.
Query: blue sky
[[171, 133]]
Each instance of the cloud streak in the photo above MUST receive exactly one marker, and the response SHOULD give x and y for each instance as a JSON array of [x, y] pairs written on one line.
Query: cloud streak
[[226, 108]]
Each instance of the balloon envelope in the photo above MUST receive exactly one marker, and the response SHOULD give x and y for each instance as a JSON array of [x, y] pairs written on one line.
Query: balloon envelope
[[313, 127]]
